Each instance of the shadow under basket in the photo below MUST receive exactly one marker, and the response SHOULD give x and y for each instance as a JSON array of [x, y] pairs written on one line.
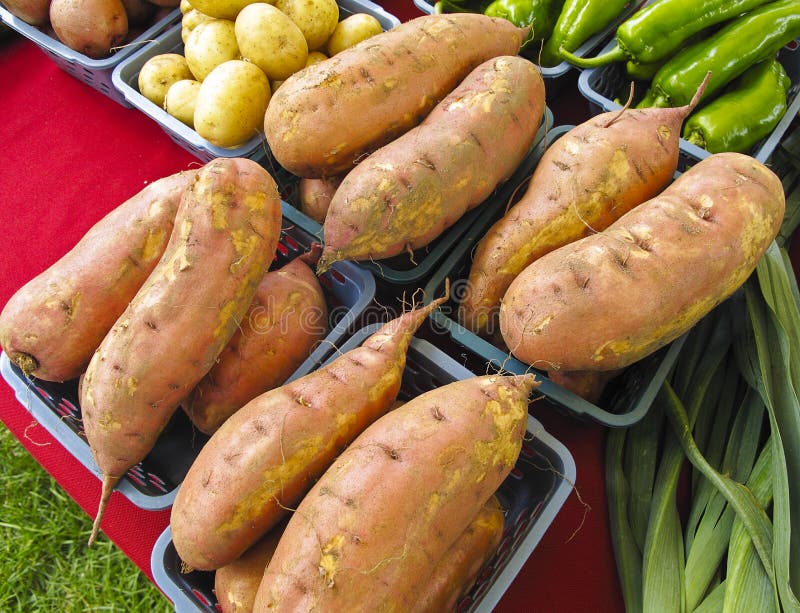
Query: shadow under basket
[[531, 495], [152, 484]]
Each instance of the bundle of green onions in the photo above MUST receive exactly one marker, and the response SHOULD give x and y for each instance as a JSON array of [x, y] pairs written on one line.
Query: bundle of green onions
[[727, 538]]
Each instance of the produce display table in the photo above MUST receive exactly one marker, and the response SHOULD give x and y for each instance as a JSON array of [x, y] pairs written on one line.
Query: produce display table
[[69, 156]]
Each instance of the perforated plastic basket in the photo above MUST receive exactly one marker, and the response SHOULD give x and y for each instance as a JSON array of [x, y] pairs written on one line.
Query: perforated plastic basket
[[555, 75], [533, 494], [96, 73], [627, 398], [402, 270], [600, 86], [126, 80], [153, 483]]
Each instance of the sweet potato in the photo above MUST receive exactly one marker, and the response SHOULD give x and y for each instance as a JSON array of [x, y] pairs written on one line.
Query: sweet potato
[[323, 119], [455, 573], [51, 326], [610, 299], [225, 235], [285, 321], [315, 196], [267, 455], [585, 181], [409, 191], [372, 529], [236, 584]]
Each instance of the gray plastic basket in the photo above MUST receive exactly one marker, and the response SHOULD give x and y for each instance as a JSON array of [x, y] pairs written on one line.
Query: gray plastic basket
[[533, 495], [601, 85], [555, 75], [152, 484], [126, 80], [627, 398], [96, 73], [401, 270]]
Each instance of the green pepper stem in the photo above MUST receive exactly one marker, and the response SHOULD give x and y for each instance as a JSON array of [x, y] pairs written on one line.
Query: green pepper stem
[[617, 54], [696, 138]]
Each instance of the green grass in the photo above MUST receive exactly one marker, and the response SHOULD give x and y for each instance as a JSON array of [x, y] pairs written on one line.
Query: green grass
[[45, 564]]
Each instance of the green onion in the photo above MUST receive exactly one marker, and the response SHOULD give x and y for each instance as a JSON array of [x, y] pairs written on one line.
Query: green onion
[[626, 552]]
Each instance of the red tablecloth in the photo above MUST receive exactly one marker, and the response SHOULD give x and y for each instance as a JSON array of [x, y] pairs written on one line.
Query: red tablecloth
[[68, 156]]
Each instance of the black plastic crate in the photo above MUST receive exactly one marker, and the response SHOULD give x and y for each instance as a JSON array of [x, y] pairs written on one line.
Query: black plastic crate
[[152, 484], [532, 495]]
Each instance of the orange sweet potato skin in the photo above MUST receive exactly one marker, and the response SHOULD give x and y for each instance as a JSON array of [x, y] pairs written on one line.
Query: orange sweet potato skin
[[225, 236], [265, 457], [316, 195], [52, 325], [236, 584], [457, 570], [610, 299], [586, 180], [323, 119], [372, 529], [408, 192], [285, 321]]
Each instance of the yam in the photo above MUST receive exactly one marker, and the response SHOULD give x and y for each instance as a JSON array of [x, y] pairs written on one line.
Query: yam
[[236, 584], [52, 325], [372, 529], [608, 300], [285, 321], [586, 180], [170, 335], [325, 118], [405, 194], [266, 456], [455, 573]]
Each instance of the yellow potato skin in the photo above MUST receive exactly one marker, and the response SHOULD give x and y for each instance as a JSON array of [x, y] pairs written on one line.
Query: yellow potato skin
[[231, 102]]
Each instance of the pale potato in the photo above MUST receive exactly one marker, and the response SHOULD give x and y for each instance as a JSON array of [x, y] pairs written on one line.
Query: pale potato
[[271, 40], [190, 21], [159, 72], [210, 44], [351, 31], [314, 57], [224, 9], [231, 103], [181, 99], [316, 18], [185, 7]]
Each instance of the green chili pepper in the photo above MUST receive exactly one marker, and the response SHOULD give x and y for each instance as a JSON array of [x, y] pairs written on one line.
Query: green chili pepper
[[522, 13], [727, 53], [661, 28], [747, 112], [578, 22], [641, 71]]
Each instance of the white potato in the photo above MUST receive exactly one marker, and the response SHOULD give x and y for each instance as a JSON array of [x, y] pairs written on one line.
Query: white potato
[[351, 31], [185, 7], [159, 72], [224, 9], [190, 21], [271, 40], [316, 18], [181, 99], [210, 44], [231, 103], [315, 57]]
